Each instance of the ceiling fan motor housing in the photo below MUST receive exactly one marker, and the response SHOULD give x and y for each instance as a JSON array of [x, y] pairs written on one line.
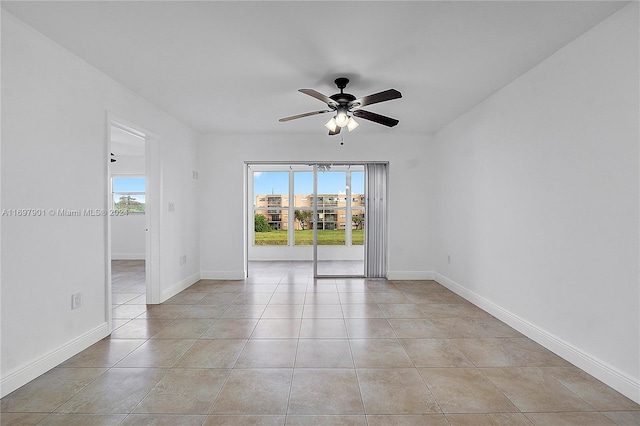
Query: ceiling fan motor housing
[[342, 98]]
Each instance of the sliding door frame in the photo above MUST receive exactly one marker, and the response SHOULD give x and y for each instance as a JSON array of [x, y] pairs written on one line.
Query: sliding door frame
[[348, 232], [248, 164]]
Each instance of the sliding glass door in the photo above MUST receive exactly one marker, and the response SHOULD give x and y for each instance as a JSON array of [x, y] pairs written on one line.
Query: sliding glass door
[[339, 236], [319, 212]]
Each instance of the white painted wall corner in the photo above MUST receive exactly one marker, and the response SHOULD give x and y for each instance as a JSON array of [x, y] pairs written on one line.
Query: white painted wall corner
[[177, 288]]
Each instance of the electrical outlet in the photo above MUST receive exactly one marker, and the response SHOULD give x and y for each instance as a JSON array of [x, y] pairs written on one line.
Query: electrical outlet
[[76, 300], [195, 175], [172, 206], [182, 259], [449, 259]]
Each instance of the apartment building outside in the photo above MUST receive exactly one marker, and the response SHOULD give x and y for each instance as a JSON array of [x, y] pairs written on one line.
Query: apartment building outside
[[332, 210]]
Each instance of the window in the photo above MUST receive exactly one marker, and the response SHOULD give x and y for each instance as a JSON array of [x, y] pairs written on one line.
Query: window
[[357, 207], [271, 202], [129, 194], [283, 204], [303, 203]]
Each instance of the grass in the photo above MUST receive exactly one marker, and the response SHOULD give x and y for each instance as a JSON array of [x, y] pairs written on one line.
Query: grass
[[305, 238]]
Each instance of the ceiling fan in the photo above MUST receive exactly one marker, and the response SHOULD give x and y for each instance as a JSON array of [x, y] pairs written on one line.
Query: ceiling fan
[[344, 104]]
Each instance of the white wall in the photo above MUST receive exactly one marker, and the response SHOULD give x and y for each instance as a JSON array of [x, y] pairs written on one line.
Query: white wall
[[537, 194], [54, 156], [128, 237], [222, 182]]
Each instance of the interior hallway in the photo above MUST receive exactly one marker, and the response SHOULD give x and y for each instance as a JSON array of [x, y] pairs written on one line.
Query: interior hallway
[[282, 348], [128, 290]]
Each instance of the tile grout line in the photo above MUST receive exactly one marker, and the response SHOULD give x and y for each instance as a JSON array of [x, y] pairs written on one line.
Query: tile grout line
[[293, 369], [355, 370]]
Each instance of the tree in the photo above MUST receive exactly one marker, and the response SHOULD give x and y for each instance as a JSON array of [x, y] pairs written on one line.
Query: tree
[[303, 216], [128, 203], [261, 224], [358, 220]]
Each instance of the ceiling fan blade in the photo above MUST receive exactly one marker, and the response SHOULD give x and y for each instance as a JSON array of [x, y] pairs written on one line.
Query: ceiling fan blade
[[376, 118], [306, 114], [387, 95], [336, 132], [327, 100]]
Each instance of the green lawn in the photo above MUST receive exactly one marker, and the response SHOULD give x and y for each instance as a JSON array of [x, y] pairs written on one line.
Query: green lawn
[[325, 237]]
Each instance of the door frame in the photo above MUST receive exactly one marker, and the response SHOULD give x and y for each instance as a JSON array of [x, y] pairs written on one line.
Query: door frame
[[248, 207], [153, 194], [348, 211]]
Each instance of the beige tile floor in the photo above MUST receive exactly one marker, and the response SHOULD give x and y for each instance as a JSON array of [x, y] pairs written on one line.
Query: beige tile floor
[[280, 348]]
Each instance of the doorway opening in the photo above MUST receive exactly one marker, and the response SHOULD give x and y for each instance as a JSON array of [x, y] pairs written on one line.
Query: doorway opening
[[128, 222], [313, 213]]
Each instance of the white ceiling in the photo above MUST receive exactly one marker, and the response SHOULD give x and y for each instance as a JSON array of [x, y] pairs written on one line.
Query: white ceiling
[[236, 66]]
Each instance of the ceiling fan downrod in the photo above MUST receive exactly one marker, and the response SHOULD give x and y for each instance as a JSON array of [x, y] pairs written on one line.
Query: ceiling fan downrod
[[341, 82]]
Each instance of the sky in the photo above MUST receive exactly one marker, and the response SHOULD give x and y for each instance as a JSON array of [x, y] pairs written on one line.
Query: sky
[[328, 182], [129, 184]]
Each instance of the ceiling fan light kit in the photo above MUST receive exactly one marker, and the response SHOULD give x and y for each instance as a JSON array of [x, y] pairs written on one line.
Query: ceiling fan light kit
[[331, 125], [344, 104], [341, 116]]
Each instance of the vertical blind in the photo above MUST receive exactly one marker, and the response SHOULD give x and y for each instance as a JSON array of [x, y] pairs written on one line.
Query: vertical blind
[[376, 223]]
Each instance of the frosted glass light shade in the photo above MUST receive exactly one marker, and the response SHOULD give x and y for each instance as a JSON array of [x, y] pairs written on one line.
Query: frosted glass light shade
[[331, 125], [342, 119], [352, 124]]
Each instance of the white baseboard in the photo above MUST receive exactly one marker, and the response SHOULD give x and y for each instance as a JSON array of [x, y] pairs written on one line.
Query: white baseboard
[[45, 363], [410, 275], [223, 275], [177, 288], [128, 256], [623, 383]]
